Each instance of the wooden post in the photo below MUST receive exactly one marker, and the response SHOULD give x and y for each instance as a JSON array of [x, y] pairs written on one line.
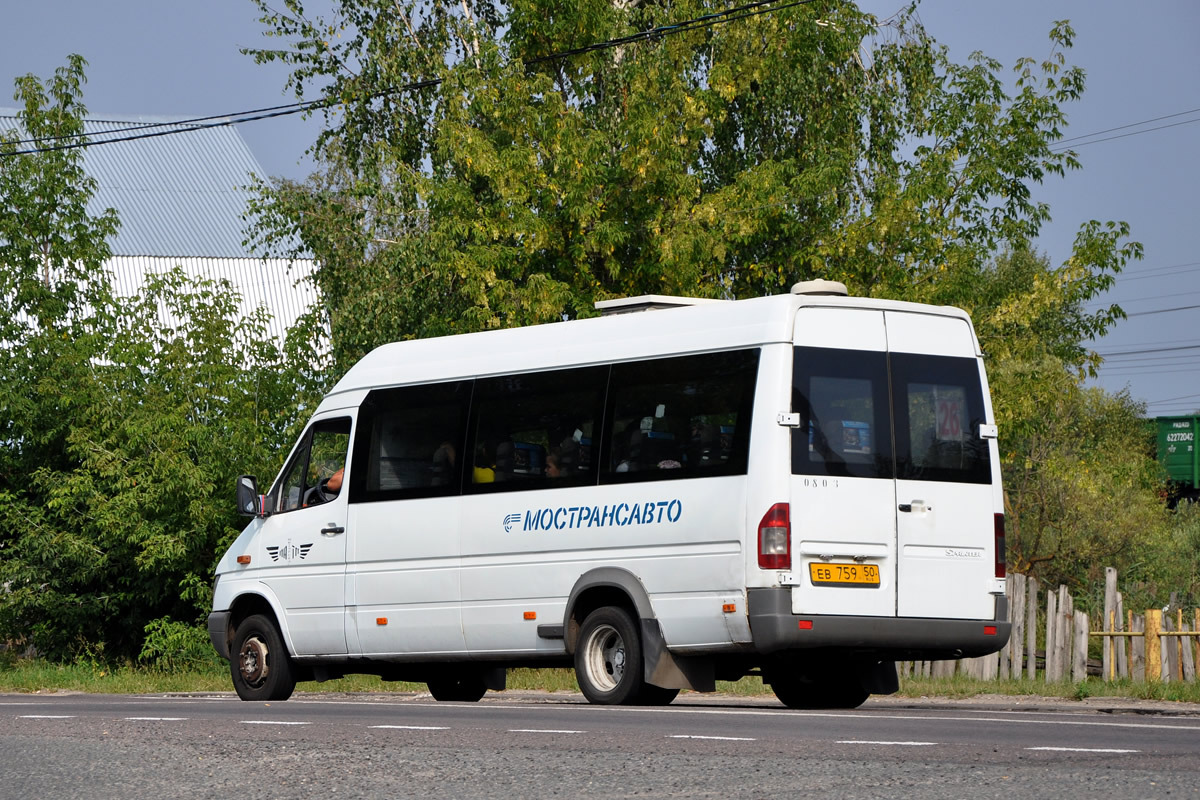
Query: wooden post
[[1016, 642], [1051, 634], [1137, 659], [1079, 663], [1185, 652], [1031, 609], [1006, 651], [1153, 645], [1062, 637], [1196, 639], [1110, 664], [1110, 612], [1123, 643]]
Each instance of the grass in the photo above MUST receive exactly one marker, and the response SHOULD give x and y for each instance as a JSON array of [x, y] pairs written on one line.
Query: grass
[[28, 676]]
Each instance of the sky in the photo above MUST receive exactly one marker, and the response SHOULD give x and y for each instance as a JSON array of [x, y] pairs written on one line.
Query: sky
[[175, 58]]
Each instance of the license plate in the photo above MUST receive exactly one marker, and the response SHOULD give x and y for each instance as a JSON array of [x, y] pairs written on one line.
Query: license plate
[[832, 574]]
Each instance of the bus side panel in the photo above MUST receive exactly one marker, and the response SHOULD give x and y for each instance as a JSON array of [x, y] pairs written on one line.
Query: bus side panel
[[524, 551], [403, 569]]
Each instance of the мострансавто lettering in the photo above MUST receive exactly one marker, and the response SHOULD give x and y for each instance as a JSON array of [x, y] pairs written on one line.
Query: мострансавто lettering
[[620, 514]]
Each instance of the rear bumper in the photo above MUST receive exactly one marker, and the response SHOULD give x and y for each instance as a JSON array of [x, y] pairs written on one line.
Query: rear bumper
[[218, 632], [774, 628]]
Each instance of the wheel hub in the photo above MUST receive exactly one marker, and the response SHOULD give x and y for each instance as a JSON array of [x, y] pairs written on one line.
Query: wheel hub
[[253, 661]]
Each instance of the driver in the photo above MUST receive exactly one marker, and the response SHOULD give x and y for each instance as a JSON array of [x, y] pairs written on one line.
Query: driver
[[325, 490]]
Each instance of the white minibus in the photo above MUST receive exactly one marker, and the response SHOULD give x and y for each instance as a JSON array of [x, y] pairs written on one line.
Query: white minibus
[[804, 487]]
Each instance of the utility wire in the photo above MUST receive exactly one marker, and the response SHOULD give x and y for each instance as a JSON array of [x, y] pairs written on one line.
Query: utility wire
[[1057, 149], [148, 130], [1130, 125], [1162, 311]]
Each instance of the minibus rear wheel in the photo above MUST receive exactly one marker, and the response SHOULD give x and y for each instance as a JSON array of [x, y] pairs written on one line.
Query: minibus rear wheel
[[259, 663], [818, 689], [608, 658]]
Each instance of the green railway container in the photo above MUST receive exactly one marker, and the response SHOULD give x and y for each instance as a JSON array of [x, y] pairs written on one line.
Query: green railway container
[[1177, 449]]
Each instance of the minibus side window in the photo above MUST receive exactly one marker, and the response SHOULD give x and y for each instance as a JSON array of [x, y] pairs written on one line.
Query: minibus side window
[[939, 408], [681, 417], [842, 399], [409, 442], [535, 430], [321, 456]]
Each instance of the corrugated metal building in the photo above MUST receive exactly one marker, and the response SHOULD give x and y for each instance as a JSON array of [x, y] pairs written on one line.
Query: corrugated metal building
[[181, 201]]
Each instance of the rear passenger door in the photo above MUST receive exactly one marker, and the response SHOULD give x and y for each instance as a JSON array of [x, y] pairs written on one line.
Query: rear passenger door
[[946, 503]]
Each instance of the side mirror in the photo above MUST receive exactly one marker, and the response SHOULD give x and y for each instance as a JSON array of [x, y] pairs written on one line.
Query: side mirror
[[249, 502]]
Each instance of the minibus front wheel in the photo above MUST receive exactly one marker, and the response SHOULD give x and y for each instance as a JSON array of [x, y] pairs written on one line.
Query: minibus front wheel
[[259, 662]]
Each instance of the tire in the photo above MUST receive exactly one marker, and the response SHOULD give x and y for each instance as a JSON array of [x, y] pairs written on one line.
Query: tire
[[259, 662], [462, 688], [823, 689], [652, 695], [608, 658]]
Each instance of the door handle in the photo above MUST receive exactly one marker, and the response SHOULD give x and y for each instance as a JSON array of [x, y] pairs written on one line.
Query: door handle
[[915, 505], [332, 529], [906, 507]]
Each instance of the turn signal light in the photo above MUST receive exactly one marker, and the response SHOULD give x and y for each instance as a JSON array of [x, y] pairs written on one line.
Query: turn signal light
[[530, 615], [729, 608], [243, 559], [381, 620]]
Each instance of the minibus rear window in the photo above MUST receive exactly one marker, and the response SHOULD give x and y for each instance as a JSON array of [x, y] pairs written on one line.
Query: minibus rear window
[[842, 399], [939, 408]]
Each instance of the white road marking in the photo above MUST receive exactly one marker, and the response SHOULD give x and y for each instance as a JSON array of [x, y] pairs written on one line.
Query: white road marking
[[903, 744], [155, 719], [539, 730], [1082, 750], [713, 738], [271, 722], [47, 716], [411, 727]]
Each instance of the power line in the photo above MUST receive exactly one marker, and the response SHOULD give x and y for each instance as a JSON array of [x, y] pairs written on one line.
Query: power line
[[1057, 149], [150, 130], [1162, 311], [1131, 125], [1152, 350]]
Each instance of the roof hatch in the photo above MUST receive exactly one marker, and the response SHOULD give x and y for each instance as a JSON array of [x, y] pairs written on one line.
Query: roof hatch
[[649, 302]]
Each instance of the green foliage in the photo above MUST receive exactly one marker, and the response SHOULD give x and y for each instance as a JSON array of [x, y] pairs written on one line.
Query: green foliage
[[728, 161], [178, 647], [121, 437]]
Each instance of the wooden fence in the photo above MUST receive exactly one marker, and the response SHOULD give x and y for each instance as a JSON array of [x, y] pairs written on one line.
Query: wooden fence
[[1052, 638]]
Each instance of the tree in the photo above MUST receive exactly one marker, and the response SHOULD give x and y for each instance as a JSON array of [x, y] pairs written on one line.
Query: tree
[[723, 160], [121, 437]]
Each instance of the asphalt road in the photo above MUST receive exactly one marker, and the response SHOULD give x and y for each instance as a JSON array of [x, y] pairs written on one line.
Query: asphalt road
[[535, 745]]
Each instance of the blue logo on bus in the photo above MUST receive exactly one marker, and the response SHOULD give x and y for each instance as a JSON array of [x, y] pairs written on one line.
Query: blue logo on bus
[[651, 512]]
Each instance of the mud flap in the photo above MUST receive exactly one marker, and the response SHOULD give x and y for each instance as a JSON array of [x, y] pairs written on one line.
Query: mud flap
[[668, 671]]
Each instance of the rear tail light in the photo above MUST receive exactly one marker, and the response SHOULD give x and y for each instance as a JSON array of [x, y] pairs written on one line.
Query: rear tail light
[[1001, 558], [775, 538]]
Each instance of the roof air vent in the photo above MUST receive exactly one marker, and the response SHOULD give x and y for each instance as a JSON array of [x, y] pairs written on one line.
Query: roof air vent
[[821, 288]]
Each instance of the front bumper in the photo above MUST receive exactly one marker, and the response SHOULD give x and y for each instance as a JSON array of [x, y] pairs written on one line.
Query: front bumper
[[218, 632], [775, 628]]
